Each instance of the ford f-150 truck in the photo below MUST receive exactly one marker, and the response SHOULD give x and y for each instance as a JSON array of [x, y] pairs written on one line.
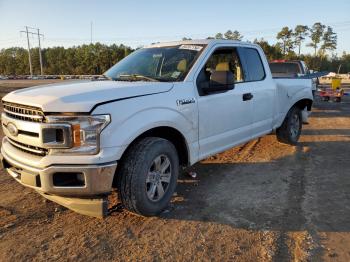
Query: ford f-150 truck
[[162, 108]]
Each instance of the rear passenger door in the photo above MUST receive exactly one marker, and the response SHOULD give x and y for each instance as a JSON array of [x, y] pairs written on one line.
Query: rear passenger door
[[262, 90]]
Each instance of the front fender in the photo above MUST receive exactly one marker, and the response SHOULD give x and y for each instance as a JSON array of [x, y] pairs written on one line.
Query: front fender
[[131, 118], [126, 131]]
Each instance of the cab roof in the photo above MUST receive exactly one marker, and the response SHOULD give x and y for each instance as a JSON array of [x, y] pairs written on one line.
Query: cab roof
[[207, 42]]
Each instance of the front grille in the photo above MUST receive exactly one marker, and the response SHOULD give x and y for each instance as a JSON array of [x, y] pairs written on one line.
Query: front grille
[[23, 112], [28, 148]]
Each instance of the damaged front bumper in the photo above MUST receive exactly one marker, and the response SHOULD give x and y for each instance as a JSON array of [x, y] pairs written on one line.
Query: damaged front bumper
[[81, 188]]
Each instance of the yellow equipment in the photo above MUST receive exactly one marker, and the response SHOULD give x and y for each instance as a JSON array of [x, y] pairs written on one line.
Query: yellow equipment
[[336, 83]]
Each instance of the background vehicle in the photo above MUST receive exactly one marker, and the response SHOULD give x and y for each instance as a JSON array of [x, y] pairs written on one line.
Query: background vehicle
[[292, 69], [285, 68], [164, 106]]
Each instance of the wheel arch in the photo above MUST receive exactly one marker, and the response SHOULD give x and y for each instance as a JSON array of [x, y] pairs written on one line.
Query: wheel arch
[[305, 102], [301, 104], [171, 134]]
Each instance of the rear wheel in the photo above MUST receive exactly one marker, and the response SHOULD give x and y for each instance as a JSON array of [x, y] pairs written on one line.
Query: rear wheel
[[148, 176], [290, 130]]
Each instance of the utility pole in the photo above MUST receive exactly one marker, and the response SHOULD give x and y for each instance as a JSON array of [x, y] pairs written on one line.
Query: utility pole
[[40, 57], [30, 59], [91, 32], [339, 69]]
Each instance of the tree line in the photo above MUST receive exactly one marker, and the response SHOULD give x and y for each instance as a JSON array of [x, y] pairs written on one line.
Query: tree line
[[322, 38], [92, 59], [97, 58]]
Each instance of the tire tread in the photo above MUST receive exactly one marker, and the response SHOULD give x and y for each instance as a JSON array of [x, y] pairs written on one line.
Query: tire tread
[[282, 132], [130, 165]]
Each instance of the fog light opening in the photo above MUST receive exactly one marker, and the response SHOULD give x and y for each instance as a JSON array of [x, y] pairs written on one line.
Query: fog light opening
[[66, 179]]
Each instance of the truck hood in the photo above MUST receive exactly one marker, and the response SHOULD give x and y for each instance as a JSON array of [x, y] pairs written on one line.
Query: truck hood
[[82, 96]]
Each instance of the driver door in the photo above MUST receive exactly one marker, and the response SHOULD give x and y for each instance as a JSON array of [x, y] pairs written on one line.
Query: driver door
[[225, 118]]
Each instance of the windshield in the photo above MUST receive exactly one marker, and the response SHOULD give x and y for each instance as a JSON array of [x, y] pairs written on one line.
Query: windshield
[[287, 68], [166, 64]]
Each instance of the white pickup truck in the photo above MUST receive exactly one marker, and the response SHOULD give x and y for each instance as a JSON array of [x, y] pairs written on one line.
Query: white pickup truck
[[163, 107]]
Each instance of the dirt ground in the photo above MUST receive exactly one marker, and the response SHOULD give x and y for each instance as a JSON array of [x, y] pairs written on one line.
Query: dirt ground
[[262, 201]]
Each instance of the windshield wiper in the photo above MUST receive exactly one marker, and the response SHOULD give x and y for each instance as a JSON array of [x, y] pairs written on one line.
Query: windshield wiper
[[135, 77], [107, 77]]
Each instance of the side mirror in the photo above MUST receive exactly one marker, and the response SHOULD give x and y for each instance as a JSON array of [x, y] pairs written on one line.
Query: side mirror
[[219, 81]]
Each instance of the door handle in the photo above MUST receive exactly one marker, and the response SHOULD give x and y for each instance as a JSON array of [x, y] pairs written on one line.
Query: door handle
[[247, 96]]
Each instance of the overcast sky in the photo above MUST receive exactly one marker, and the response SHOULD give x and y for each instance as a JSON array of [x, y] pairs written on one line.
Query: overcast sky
[[137, 23]]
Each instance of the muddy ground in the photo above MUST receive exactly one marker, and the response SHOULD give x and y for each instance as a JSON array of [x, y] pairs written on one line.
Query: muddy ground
[[262, 201]]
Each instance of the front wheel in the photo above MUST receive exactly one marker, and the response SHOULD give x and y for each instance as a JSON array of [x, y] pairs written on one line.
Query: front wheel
[[290, 130], [148, 176]]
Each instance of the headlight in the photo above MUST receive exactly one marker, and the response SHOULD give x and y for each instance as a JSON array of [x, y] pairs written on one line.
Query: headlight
[[85, 132]]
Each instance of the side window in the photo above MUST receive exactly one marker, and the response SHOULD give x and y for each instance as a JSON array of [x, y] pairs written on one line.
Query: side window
[[224, 60], [254, 64], [221, 60]]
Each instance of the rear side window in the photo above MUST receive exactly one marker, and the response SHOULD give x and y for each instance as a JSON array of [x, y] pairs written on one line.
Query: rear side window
[[254, 64]]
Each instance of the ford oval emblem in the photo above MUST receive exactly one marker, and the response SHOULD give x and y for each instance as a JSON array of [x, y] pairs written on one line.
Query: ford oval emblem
[[12, 129]]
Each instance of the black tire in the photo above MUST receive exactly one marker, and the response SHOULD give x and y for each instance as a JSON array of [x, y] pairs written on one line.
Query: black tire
[[135, 171], [288, 132]]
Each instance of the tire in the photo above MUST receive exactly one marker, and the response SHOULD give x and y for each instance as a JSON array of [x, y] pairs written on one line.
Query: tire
[[290, 130], [140, 178]]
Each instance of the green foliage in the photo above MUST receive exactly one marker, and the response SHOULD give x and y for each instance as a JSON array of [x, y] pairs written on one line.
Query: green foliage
[[85, 59], [299, 34], [229, 35], [316, 34], [322, 37], [272, 51], [13, 61], [235, 35], [286, 36], [219, 36], [97, 58], [329, 39]]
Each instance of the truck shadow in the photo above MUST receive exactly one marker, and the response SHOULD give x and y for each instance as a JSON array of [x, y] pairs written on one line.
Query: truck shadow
[[327, 132], [309, 189]]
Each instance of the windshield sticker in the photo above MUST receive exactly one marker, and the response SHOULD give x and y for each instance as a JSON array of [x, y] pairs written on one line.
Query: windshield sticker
[[191, 47], [157, 55], [175, 74]]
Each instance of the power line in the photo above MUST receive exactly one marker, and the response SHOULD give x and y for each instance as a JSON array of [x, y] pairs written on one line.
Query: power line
[[30, 59], [28, 43], [40, 57], [340, 26]]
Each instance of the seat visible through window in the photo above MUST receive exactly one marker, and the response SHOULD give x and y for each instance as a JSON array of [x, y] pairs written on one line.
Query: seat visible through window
[[225, 60]]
